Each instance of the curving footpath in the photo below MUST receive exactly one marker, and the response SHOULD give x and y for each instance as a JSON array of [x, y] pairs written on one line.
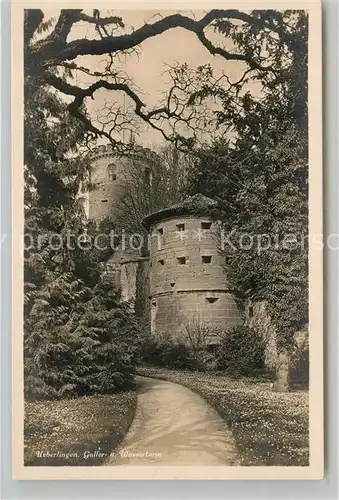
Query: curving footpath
[[174, 426]]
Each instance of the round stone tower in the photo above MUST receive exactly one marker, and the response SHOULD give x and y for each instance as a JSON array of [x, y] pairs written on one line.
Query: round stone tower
[[188, 287], [110, 177]]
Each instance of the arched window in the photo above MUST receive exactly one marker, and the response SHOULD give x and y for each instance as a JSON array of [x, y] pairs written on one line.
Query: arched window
[[147, 176], [112, 172]]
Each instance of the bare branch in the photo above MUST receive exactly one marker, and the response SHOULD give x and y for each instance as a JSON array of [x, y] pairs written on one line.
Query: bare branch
[[71, 50], [64, 24], [102, 21], [179, 107], [80, 94], [68, 17]]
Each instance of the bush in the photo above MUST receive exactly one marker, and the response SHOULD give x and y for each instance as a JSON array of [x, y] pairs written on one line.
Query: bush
[[176, 355], [162, 351], [87, 343], [165, 352], [299, 360], [205, 360], [196, 334], [241, 352]]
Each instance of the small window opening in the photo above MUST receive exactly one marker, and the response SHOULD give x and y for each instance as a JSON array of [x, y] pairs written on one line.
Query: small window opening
[[104, 201], [206, 225], [206, 259], [111, 172], [250, 311], [212, 300], [161, 262], [161, 230], [154, 304], [147, 176], [180, 227], [181, 260], [213, 348], [172, 283]]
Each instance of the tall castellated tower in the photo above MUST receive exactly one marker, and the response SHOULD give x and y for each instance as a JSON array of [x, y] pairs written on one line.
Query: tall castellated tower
[[187, 279], [109, 179]]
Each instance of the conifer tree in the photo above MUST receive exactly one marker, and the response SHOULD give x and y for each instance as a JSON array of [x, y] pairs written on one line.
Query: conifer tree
[[78, 336]]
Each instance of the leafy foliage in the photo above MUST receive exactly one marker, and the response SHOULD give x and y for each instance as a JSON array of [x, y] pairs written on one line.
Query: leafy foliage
[[78, 337], [260, 175], [79, 340], [184, 353], [165, 352], [241, 352]]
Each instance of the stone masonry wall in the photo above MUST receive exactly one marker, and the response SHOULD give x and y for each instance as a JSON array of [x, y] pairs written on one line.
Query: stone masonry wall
[[261, 322], [173, 312], [293, 367], [107, 187], [187, 279]]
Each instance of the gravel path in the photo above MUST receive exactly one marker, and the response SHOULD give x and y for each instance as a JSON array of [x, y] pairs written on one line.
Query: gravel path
[[174, 426]]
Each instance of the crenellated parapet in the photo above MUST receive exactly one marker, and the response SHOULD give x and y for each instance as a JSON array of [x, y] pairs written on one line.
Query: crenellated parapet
[[107, 150], [102, 151]]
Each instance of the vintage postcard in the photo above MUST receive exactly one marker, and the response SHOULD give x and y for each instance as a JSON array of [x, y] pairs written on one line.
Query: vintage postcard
[[167, 240]]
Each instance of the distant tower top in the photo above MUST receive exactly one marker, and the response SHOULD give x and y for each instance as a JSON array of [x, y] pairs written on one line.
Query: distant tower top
[[109, 178]]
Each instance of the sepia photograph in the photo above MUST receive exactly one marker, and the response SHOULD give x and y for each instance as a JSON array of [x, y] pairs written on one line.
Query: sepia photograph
[[168, 297]]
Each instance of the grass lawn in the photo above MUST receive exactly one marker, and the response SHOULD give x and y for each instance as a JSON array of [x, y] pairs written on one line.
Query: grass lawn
[[270, 428], [65, 432]]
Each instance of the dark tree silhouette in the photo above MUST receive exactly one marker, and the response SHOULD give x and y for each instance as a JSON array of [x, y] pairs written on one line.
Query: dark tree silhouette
[[52, 61]]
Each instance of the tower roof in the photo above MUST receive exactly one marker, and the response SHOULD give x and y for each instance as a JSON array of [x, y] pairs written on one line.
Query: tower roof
[[193, 205]]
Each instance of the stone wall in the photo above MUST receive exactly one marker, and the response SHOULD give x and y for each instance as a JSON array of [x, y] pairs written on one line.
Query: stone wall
[[128, 276], [173, 312], [142, 299], [258, 318], [294, 367], [130, 272], [187, 279]]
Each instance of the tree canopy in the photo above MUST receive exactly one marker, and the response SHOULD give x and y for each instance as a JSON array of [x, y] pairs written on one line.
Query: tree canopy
[[257, 169], [261, 180], [78, 336], [259, 39]]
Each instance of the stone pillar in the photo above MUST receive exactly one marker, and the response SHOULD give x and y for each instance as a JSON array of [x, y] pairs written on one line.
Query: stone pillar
[[142, 301], [282, 371]]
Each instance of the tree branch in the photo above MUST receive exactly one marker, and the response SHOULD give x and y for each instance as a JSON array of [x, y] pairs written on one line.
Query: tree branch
[[68, 17], [70, 51], [43, 56], [102, 21], [33, 17], [64, 24], [80, 94]]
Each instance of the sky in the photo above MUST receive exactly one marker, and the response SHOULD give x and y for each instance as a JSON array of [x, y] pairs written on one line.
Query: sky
[[148, 68]]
